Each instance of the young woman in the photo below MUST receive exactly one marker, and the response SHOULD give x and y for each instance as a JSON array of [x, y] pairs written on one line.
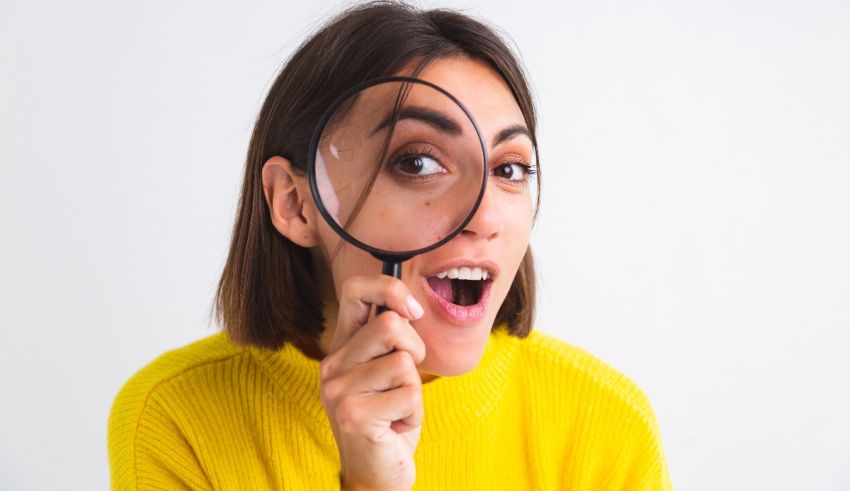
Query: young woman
[[307, 388]]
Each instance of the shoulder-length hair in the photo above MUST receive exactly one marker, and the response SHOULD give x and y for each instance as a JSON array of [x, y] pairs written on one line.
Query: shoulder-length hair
[[267, 295]]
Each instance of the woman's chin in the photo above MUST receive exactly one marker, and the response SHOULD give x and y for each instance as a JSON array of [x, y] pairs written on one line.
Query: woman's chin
[[449, 358]]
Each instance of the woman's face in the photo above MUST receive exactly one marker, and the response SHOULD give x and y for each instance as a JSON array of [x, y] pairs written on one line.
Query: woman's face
[[459, 314]]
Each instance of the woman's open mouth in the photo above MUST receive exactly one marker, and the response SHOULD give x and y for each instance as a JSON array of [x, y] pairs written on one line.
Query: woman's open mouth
[[461, 294]]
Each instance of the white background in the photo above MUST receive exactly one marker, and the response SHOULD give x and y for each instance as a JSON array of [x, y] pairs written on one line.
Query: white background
[[695, 229]]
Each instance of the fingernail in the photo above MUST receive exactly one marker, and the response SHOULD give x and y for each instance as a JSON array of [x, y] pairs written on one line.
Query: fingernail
[[414, 308]]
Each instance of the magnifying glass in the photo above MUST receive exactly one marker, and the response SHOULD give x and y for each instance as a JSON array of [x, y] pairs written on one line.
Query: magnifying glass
[[397, 167]]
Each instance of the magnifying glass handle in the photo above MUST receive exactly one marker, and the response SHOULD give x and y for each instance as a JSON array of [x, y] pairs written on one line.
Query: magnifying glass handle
[[390, 268]]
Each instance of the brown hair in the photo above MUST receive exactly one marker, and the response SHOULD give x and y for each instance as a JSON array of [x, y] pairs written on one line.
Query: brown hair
[[267, 295]]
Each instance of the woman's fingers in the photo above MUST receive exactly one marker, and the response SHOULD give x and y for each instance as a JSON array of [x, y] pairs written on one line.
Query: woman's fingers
[[388, 332], [358, 295], [370, 415], [381, 374]]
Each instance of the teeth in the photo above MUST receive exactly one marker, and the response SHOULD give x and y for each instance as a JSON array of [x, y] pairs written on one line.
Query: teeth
[[465, 273]]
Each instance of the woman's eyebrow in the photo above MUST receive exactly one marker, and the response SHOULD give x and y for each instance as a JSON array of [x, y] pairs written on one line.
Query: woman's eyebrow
[[510, 132], [436, 119]]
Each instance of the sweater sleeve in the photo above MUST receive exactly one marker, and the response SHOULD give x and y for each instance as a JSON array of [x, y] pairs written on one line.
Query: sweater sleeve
[[147, 450], [644, 467], [616, 447], [613, 442]]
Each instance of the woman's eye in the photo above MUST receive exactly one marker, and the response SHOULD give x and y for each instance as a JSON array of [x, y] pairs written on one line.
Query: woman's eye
[[513, 171], [419, 165]]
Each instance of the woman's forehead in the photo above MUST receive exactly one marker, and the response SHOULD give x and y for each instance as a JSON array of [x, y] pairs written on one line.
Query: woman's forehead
[[478, 87]]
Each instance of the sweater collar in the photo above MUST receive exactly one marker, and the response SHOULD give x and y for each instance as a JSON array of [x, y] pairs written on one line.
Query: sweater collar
[[452, 405]]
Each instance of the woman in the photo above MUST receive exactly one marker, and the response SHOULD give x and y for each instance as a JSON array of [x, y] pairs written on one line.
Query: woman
[[306, 388]]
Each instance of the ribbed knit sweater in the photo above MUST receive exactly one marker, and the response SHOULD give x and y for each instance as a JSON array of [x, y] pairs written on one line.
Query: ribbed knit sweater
[[536, 413]]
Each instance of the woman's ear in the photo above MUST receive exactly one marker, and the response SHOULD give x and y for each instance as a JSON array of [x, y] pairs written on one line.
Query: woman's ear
[[286, 192]]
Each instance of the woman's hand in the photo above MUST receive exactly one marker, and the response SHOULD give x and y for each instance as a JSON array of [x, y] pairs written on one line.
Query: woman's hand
[[371, 390]]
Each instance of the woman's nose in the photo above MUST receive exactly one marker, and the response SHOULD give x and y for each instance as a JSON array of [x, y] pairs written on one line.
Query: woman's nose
[[487, 221]]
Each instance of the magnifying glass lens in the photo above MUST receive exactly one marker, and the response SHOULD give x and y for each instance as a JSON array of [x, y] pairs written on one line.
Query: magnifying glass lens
[[399, 166]]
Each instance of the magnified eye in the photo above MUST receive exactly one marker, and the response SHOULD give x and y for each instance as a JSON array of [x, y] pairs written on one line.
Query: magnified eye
[[418, 165]]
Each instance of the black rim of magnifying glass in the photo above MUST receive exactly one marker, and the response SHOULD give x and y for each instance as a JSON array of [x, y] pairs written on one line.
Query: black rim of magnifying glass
[[387, 256]]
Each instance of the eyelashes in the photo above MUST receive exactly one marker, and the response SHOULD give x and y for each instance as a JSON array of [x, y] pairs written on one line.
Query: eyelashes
[[527, 170]]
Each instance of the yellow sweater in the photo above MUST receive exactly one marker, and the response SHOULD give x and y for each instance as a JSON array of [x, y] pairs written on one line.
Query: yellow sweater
[[536, 413]]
